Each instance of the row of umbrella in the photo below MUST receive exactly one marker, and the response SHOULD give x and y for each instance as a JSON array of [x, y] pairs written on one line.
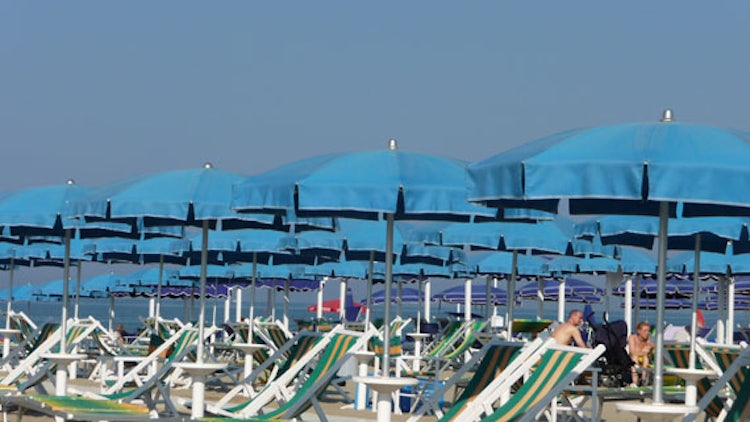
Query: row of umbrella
[[662, 169]]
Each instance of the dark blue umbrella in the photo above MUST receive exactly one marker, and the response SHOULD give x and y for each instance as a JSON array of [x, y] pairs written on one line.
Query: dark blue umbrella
[[638, 168]]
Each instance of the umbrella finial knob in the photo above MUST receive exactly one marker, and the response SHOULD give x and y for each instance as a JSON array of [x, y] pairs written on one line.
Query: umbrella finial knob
[[208, 165], [667, 116], [70, 181], [392, 144]]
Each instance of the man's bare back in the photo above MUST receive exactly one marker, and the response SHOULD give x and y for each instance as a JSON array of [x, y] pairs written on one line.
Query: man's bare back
[[568, 333]]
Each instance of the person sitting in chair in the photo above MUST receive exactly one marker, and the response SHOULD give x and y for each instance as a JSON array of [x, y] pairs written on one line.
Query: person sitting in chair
[[640, 348], [568, 332]]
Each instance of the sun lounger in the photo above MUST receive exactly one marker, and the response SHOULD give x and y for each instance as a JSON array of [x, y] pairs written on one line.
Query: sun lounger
[[340, 348], [75, 408], [487, 364]]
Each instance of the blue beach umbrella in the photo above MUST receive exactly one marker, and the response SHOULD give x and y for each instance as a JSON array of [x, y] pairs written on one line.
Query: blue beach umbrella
[[41, 213], [388, 185], [638, 168]]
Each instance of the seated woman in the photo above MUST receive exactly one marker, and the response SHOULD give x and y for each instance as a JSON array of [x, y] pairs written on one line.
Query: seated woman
[[639, 348]]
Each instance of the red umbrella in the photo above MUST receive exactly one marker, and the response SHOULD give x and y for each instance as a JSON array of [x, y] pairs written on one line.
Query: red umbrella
[[332, 306]]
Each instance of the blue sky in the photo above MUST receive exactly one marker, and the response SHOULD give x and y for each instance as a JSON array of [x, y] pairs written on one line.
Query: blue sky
[[102, 91]]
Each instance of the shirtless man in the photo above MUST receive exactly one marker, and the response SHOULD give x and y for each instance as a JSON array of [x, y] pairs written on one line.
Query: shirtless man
[[640, 347], [568, 332]]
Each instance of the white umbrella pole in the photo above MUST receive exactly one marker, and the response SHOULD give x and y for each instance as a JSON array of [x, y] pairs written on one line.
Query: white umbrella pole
[[388, 282], [202, 303], [368, 310], [342, 298], [273, 302], [159, 283], [319, 308], [721, 306], [661, 281], [111, 326], [238, 305], [561, 302], [694, 303], [628, 310], [540, 298], [228, 303], [427, 299], [467, 300], [78, 291], [637, 304]]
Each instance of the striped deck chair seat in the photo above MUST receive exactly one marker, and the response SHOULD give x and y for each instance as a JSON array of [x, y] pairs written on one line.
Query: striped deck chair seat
[[740, 406], [283, 360], [75, 408], [487, 365], [679, 355], [558, 367], [531, 326], [342, 344]]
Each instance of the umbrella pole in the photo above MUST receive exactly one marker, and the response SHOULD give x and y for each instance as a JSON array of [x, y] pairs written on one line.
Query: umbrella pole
[[561, 300], [512, 293], [694, 304], [78, 291], [488, 298], [252, 299], [419, 304], [158, 294], [427, 299], [9, 308], [202, 300], [66, 282], [540, 298], [467, 299], [285, 320], [730, 310], [628, 310], [399, 293], [370, 269], [387, 307], [661, 280]]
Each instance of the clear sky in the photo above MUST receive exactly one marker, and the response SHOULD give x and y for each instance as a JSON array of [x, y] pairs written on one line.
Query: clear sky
[[101, 91]]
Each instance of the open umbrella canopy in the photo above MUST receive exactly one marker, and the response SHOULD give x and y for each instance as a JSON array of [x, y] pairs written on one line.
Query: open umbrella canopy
[[543, 237], [408, 295], [457, 294], [22, 292], [641, 231], [501, 264], [332, 306], [410, 185], [622, 169], [550, 288]]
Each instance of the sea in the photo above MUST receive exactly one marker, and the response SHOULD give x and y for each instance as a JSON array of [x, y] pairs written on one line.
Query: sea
[[132, 311]]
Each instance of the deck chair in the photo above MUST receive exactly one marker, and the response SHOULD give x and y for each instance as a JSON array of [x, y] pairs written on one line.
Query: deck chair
[[556, 368], [30, 365], [156, 389], [75, 408], [678, 353], [33, 340], [181, 340], [341, 347], [493, 358], [453, 350], [308, 346], [275, 366], [739, 408]]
